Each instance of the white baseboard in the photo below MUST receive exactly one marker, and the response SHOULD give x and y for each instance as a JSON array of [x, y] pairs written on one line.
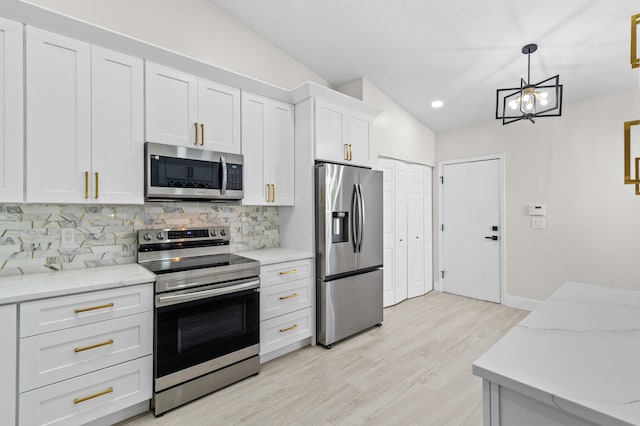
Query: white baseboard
[[521, 302]]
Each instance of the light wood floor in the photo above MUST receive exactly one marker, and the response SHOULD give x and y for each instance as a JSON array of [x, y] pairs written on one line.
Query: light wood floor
[[414, 370]]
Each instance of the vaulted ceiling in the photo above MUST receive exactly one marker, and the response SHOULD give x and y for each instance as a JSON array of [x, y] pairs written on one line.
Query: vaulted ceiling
[[459, 51]]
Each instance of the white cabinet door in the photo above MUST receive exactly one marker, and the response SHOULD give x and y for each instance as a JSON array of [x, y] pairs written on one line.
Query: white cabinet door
[[267, 146], [358, 136], [254, 149], [281, 153], [11, 112], [58, 82], [401, 253], [330, 128], [219, 116], [388, 168], [117, 127], [171, 106], [415, 227], [8, 355]]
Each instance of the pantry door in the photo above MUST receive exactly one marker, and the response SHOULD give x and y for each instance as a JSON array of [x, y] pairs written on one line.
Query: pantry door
[[471, 228]]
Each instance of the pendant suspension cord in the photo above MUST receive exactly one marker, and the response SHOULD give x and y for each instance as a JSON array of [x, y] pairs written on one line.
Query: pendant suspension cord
[[528, 68]]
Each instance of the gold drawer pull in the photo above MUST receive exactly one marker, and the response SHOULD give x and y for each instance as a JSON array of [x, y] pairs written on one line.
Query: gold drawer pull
[[93, 308], [293, 327], [86, 398], [196, 126], [291, 296], [97, 345], [293, 271]]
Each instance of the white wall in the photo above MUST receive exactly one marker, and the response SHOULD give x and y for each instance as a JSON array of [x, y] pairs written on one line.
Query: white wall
[[396, 133], [194, 28], [573, 164]]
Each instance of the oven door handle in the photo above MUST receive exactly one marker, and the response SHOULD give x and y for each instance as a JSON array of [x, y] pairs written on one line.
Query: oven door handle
[[197, 295]]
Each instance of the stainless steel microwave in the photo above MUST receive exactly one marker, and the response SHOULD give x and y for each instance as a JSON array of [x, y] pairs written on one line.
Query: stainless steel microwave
[[176, 172]]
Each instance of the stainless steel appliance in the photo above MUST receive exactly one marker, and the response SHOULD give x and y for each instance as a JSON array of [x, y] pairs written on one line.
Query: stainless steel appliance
[[176, 172], [348, 250], [206, 313]]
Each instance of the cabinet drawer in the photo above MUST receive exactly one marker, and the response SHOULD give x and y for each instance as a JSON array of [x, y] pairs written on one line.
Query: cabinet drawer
[[284, 272], [70, 311], [60, 355], [88, 397], [283, 330], [282, 299]]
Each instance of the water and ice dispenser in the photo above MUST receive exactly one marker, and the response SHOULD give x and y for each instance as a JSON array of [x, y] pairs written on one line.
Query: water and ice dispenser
[[340, 227]]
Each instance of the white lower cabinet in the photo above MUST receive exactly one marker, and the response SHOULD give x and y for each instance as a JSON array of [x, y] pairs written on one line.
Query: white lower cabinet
[[287, 314], [88, 397], [85, 356], [8, 339]]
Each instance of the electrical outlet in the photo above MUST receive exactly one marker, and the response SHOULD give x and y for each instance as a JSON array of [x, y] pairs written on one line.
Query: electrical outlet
[[67, 236]]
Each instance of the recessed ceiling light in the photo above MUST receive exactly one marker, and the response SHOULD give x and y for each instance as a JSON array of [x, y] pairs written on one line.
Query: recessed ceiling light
[[437, 104]]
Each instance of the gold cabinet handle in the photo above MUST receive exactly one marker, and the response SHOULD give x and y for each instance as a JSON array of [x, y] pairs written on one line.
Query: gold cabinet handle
[[350, 152], [291, 296], [93, 308], [293, 271], [201, 134], [346, 151], [95, 395], [86, 184], [196, 126], [273, 193], [268, 193], [293, 327], [97, 345], [96, 185]]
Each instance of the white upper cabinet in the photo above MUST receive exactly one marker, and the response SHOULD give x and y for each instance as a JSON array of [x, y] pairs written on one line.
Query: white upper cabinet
[[84, 122], [117, 148], [182, 109], [11, 112], [58, 118], [342, 136], [268, 149]]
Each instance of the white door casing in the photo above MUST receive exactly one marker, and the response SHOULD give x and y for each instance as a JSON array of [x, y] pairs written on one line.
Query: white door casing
[[471, 204], [401, 253]]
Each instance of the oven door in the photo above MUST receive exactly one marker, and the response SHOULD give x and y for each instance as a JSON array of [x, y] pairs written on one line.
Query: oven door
[[202, 330]]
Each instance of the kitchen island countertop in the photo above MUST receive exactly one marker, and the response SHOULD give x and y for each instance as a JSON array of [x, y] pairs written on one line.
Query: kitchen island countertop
[[578, 351]]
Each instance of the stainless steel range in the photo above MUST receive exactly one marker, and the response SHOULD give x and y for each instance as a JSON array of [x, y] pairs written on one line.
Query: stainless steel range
[[206, 313]]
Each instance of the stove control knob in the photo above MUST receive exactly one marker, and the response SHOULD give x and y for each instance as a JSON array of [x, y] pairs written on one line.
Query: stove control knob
[[147, 236], [223, 232], [213, 233], [159, 236]]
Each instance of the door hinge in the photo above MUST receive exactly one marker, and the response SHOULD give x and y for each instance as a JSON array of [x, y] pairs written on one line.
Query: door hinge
[[442, 273], [442, 227], [442, 180]]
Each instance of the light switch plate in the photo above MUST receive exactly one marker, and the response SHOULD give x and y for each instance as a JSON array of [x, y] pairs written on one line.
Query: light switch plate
[[538, 222]]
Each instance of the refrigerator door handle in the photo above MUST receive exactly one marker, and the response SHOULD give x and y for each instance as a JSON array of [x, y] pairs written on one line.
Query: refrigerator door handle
[[354, 219], [362, 218]]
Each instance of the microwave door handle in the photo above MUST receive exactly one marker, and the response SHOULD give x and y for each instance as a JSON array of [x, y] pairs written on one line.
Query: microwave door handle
[[223, 187]]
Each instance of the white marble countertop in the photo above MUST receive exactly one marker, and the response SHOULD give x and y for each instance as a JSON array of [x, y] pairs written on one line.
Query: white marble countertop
[[21, 288], [579, 350], [276, 255]]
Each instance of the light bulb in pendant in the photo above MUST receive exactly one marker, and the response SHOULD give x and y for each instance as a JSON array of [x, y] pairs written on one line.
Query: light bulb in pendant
[[513, 104], [543, 101]]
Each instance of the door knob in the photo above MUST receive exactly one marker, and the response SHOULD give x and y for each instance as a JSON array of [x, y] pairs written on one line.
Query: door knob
[[493, 237]]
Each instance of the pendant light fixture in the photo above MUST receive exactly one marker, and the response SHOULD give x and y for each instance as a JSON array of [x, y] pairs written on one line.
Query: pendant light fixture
[[543, 99]]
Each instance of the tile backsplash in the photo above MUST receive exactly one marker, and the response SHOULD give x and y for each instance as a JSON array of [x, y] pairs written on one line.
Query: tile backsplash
[[30, 234]]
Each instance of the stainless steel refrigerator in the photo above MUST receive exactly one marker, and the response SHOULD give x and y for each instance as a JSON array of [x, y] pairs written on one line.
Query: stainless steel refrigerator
[[348, 250]]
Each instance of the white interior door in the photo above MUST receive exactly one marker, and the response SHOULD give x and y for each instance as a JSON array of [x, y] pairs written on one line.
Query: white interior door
[[401, 189], [471, 234], [415, 227], [388, 168]]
